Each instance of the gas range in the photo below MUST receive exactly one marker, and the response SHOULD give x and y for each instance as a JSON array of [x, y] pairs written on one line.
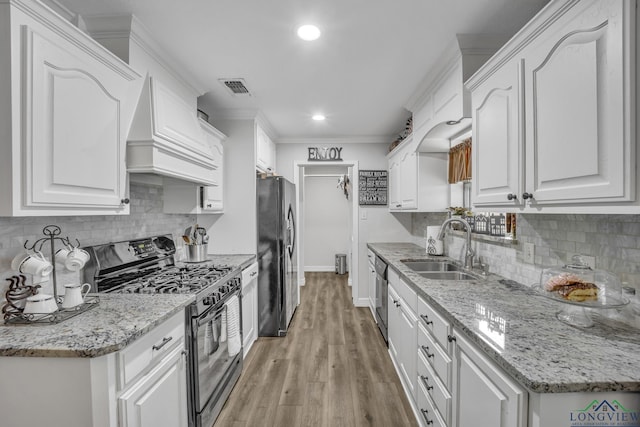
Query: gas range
[[213, 321], [147, 266]]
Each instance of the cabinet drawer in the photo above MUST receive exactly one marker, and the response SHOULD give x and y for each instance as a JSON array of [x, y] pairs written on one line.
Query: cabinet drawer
[[429, 415], [434, 387], [438, 326], [249, 274], [139, 355], [404, 290], [439, 360]]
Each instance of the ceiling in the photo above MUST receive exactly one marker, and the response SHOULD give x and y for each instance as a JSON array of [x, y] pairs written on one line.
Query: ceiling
[[360, 74]]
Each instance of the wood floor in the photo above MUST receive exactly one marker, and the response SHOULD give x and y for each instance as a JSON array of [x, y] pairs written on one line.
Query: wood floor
[[331, 370]]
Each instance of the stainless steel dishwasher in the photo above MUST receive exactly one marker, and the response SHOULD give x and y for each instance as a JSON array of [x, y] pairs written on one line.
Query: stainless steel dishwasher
[[381, 297]]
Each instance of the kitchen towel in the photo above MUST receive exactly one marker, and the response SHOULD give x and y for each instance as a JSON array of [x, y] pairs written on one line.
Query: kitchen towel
[[233, 326], [433, 245], [223, 326]]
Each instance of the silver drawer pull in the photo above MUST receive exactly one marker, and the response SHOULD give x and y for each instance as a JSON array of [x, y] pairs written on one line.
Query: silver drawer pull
[[426, 319], [424, 414], [253, 273], [164, 342], [426, 351], [425, 380]]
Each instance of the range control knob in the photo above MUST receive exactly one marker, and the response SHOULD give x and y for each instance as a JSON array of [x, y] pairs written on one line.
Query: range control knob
[[210, 300]]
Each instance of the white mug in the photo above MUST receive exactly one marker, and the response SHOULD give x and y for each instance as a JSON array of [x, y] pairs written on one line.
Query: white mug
[[76, 259], [74, 294], [32, 263], [61, 255], [40, 304]]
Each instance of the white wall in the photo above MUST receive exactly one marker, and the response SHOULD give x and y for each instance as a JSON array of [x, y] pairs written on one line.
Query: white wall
[[234, 232], [327, 222], [379, 225]]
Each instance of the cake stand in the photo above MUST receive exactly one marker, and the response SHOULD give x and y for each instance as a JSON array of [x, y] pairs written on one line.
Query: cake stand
[[575, 313]]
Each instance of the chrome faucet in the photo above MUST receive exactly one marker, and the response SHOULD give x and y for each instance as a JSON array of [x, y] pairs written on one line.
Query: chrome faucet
[[468, 258]]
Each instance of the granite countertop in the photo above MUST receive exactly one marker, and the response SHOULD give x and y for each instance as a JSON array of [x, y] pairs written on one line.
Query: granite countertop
[[542, 353], [118, 320]]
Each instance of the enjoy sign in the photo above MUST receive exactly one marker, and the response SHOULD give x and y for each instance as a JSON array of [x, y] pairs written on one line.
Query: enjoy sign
[[325, 154]]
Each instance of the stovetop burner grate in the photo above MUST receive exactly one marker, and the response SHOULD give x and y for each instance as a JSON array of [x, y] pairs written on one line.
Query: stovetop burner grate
[[169, 280]]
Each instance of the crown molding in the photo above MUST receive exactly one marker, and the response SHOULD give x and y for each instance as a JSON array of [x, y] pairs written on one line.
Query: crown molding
[[113, 27], [374, 139]]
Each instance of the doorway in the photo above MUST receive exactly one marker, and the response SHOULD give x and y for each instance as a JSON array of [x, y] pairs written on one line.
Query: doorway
[[317, 192]]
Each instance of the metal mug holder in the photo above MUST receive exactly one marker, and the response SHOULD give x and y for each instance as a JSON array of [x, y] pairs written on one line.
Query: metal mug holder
[[52, 233], [13, 316]]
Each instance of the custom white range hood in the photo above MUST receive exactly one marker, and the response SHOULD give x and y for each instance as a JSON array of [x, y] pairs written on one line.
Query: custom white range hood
[[167, 139]]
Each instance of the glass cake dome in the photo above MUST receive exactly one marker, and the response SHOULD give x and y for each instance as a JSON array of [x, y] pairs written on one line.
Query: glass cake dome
[[582, 287]]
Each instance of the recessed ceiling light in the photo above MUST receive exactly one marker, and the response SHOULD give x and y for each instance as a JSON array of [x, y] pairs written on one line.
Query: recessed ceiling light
[[318, 117], [308, 32]]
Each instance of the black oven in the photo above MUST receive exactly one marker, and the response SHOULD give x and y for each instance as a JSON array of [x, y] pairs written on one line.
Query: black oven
[[215, 352]]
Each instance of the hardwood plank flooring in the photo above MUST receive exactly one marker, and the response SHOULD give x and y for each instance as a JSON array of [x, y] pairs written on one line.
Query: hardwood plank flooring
[[332, 369]]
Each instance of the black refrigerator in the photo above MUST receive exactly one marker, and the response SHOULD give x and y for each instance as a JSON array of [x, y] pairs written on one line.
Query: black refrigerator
[[278, 293]]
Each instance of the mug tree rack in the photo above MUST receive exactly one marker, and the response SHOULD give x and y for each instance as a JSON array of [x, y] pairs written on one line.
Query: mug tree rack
[[52, 235]]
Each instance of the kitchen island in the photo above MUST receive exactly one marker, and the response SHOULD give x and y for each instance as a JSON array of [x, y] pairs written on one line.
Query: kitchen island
[[516, 329]]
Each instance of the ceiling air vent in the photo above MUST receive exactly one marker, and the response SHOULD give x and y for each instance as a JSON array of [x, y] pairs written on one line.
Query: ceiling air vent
[[236, 86]]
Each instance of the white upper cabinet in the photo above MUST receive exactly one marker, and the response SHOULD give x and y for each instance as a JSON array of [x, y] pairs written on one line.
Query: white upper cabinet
[[555, 111], [265, 151], [417, 181], [497, 138], [212, 197], [65, 114]]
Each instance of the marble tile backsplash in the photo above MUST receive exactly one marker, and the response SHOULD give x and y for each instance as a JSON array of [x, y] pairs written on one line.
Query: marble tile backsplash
[[614, 241], [146, 219]]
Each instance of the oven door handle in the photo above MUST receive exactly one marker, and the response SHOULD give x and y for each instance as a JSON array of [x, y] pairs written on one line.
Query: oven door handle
[[210, 316]]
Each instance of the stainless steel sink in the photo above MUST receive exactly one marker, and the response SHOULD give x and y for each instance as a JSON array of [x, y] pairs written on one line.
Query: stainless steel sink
[[447, 275], [420, 266]]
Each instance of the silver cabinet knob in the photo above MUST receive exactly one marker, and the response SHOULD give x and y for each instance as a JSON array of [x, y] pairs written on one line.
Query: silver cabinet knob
[[124, 201], [512, 196], [527, 196]]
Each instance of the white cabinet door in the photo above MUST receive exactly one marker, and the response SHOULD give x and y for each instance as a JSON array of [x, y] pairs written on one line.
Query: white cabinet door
[[483, 394], [158, 398], [578, 119], [402, 337], [213, 195], [554, 113], [408, 346], [394, 332], [409, 180], [265, 151], [395, 202], [497, 139], [74, 113], [249, 306]]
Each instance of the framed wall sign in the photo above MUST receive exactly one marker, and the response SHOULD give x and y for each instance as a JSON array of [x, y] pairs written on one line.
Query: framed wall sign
[[373, 186]]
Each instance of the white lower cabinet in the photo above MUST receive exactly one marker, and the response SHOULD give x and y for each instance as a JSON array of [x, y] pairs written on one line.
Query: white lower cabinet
[[142, 385], [159, 397], [249, 306], [402, 335], [456, 384], [483, 394]]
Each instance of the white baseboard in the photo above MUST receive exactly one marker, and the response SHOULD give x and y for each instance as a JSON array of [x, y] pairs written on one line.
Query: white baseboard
[[361, 302]]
